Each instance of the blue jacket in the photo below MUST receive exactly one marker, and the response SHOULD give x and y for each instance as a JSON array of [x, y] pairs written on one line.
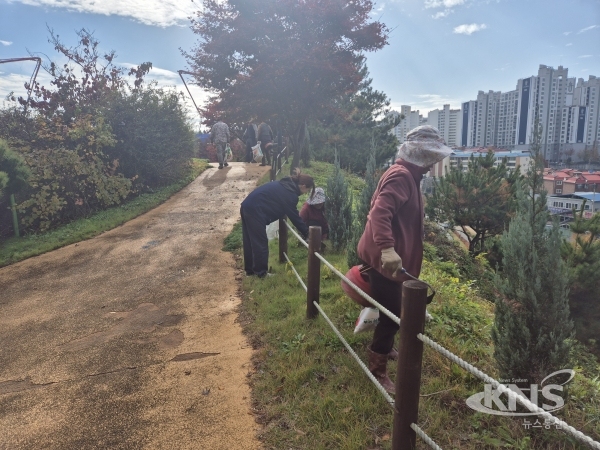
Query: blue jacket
[[273, 200]]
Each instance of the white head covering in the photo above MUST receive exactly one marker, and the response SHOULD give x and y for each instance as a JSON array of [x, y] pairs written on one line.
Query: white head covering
[[423, 147], [318, 197]]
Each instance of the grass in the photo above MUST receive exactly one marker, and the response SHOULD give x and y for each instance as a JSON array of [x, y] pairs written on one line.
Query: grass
[[17, 249], [309, 393]]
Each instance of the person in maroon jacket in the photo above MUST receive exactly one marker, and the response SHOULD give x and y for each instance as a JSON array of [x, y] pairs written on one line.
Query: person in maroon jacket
[[313, 212], [393, 235]]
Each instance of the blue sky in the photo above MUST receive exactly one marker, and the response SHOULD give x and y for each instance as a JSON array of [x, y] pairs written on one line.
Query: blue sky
[[441, 51]]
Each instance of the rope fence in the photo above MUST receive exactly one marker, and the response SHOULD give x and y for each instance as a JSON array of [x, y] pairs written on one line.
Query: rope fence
[[412, 339]]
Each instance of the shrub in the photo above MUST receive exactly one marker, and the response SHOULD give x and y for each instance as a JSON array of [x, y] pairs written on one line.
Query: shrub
[[338, 208]]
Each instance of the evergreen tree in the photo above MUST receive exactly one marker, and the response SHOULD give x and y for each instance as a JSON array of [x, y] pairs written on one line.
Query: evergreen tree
[[338, 208], [14, 173], [362, 209], [481, 198], [532, 328]]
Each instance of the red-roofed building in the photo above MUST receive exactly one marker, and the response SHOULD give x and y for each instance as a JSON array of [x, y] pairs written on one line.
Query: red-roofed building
[[569, 181]]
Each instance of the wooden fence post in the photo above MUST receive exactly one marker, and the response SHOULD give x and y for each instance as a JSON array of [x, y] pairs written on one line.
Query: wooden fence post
[[313, 280], [272, 174], [410, 358], [283, 237]]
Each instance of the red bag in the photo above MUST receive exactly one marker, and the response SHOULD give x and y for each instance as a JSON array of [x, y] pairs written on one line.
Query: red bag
[[359, 278]]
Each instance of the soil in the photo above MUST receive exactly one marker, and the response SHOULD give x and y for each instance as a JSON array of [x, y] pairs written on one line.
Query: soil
[[130, 340]]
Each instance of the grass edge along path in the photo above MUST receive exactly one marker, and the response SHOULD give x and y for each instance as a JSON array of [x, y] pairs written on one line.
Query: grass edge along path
[[15, 249], [308, 393]]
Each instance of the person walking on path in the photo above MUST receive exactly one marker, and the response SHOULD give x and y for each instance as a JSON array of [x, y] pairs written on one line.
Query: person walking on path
[[265, 136], [249, 138], [313, 212], [393, 235], [219, 135], [267, 203]]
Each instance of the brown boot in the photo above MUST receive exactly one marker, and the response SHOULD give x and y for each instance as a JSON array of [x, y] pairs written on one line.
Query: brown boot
[[393, 355], [378, 367]]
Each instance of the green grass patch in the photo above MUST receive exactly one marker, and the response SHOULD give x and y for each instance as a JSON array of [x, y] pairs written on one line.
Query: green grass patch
[[309, 393], [233, 241], [17, 249]]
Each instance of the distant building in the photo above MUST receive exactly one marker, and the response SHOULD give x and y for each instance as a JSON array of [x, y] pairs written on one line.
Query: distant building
[[448, 122], [563, 204], [460, 158], [411, 120], [566, 108], [569, 181]]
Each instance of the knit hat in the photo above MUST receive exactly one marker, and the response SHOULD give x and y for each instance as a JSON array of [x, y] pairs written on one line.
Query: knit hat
[[423, 147], [318, 197]]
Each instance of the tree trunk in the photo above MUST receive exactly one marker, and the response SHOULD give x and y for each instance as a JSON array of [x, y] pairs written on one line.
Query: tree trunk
[[297, 142]]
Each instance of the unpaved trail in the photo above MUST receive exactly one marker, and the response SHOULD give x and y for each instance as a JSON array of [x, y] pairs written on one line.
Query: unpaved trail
[[129, 340]]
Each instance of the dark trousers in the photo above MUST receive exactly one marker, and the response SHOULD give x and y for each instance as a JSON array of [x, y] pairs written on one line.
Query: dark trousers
[[256, 244], [249, 155], [389, 294]]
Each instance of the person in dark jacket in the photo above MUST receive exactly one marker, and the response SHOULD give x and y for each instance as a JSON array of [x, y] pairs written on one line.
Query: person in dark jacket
[[265, 136], [264, 205], [313, 212], [394, 234], [250, 140]]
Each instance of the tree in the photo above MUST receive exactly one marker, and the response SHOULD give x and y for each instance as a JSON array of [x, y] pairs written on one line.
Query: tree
[[532, 328], [338, 208], [362, 209], [286, 60], [86, 83], [14, 173], [482, 198], [361, 121], [583, 253]]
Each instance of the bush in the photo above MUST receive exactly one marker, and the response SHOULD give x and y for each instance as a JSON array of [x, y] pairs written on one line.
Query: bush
[[338, 208]]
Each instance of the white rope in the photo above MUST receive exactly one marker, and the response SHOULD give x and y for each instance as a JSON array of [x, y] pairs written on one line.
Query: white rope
[[295, 234], [364, 295], [371, 300], [426, 438], [387, 396], [511, 394], [294, 269]]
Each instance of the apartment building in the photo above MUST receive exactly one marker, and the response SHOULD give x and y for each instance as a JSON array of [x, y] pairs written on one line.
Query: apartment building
[[521, 159], [448, 122], [412, 119], [566, 109]]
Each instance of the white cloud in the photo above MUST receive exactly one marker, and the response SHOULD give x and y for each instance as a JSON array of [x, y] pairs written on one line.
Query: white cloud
[[428, 102], [469, 29], [566, 33], [443, 3], [444, 13], [162, 13], [585, 56], [6, 43], [569, 44], [583, 30]]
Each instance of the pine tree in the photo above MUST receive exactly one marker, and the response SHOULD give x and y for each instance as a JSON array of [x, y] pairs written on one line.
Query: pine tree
[[362, 209], [338, 208], [532, 328]]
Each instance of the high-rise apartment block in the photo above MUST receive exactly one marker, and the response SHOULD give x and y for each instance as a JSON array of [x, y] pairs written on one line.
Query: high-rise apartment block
[[410, 120], [566, 109], [448, 122]]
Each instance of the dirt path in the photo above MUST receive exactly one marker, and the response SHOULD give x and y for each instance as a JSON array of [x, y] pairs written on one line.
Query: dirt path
[[129, 340]]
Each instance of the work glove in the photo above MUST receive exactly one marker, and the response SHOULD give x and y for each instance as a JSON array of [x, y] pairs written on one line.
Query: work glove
[[391, 261]]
